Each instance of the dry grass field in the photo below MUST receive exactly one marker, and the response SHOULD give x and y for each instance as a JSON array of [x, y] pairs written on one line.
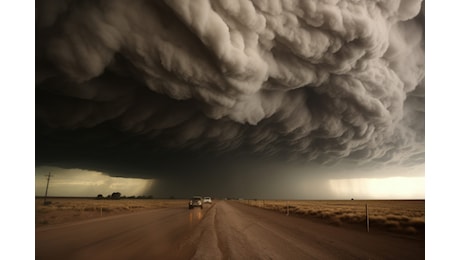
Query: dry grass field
[[400, 216], [63, 210]]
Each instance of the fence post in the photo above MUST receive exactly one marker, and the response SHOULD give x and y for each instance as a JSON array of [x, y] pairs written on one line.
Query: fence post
[[367, 218]]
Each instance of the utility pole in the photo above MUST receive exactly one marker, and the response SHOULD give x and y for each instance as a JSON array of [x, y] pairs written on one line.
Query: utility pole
[[47, 182]]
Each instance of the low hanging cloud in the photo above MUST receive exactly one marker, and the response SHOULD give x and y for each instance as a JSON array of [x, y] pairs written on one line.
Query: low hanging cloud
[[143, 82]]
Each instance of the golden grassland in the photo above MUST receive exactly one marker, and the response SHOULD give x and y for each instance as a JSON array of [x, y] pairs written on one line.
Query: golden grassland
[[63, 210], [400, 216]]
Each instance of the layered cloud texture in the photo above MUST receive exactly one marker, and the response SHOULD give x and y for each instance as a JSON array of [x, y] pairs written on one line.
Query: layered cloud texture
[[300, 81]]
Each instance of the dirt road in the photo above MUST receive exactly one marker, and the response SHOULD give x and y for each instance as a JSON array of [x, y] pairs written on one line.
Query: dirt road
[[224, 230]]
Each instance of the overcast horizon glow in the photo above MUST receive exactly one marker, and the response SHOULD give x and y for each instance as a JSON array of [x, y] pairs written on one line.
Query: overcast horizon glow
[[387, 188], [83, 183]]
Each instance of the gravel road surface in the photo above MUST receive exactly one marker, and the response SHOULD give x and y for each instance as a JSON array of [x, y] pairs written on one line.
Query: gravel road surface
[[223, 230]]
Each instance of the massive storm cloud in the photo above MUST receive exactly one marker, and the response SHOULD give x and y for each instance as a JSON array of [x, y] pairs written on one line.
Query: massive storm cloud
[[150, 83]]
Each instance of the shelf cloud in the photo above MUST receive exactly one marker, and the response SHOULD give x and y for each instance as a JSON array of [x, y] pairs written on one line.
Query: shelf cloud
[[147, 85]]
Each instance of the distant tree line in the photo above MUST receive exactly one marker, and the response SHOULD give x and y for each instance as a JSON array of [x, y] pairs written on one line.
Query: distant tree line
[[117, 196]]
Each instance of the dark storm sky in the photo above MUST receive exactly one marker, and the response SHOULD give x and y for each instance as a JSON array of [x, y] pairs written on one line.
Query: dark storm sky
[[221, 91]]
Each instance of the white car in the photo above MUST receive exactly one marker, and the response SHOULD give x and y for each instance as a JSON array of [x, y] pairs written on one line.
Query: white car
[[207, 200]]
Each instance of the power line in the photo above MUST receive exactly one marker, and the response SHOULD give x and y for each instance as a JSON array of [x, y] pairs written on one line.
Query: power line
[[47, 183]]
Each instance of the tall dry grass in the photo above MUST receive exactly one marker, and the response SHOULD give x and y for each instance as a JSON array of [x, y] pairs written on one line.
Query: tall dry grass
[[402, 216], [63, 210]]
